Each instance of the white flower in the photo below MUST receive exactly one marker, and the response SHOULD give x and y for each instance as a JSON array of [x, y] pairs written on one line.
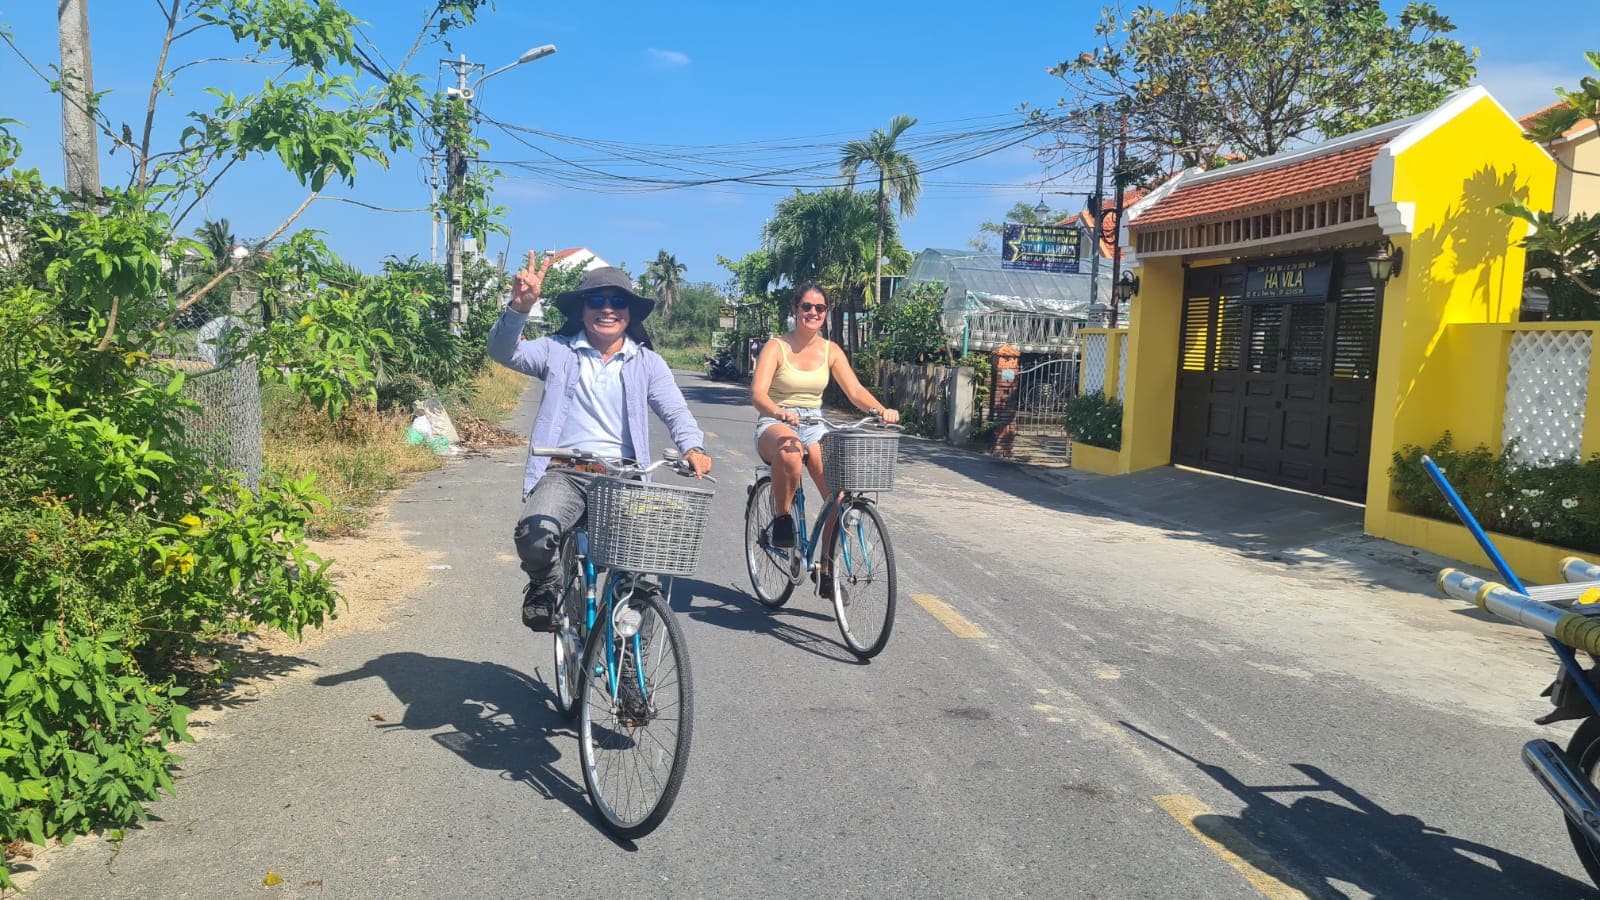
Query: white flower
[[1569, 503], [1532, 492], [1536, 524]]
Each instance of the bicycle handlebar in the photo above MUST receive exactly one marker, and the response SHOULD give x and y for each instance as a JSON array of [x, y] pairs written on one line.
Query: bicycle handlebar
[[874, 421], [669, 458]]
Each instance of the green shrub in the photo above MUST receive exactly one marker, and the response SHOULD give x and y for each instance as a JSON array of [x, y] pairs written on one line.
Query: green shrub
[[1556, 504], [1095, 420]]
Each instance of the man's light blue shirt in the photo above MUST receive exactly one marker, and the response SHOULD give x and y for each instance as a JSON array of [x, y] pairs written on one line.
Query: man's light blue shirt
[[598, 420]]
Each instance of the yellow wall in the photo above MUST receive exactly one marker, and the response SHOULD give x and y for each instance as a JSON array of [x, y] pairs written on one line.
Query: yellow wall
[[1152, 381], [1461, 265]]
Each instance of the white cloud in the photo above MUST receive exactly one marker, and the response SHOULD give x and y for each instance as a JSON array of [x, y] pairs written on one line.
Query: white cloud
[[671, 58], [1524, 87]]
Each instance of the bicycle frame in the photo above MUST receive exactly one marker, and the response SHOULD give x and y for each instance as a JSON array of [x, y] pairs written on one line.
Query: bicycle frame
[[833, 509], [594, 604]]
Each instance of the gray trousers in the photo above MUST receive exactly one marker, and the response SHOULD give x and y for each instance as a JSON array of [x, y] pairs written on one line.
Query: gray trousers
[[554, 507]]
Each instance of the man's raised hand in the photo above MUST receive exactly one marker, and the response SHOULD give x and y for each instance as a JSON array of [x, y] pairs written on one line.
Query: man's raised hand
[[529, 279]]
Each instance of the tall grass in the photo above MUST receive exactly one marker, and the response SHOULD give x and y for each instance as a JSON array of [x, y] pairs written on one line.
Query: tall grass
[[494, 393], [355, 457]]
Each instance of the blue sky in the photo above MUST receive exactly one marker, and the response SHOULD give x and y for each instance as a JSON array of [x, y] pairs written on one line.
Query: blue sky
[[696, 73]]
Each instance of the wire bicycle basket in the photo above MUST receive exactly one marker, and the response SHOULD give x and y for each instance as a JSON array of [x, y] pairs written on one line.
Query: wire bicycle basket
[[859, 461], [639, 526]]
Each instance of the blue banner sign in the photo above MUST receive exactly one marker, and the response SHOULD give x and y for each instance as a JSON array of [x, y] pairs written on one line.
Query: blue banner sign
[[1040, 248]]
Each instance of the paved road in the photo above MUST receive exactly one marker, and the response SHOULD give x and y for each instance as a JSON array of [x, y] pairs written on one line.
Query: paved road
[[1137, 709]]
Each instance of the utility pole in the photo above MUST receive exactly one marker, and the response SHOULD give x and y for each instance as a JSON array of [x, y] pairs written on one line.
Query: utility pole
[[456, 175], [1098, 205], [77, 89], [433, 204], [1120, 161]]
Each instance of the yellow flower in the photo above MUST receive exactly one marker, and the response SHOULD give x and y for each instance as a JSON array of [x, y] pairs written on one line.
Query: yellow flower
[[305, 320], [193, 524]]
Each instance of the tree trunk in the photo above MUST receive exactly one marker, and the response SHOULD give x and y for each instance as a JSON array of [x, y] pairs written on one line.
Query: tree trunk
[[77, 86]]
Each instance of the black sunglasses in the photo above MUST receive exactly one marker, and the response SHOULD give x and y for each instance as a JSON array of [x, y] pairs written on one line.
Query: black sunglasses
[[613, 302], [809, 307]]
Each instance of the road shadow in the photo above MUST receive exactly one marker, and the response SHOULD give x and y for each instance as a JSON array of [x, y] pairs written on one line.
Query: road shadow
[[1329, 835], [498, 719], [726, 607]]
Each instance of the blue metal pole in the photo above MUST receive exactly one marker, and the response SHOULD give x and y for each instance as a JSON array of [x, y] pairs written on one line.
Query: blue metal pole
[[1569, 660]]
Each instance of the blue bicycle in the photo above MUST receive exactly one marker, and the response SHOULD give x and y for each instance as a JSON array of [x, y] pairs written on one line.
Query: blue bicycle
[[856, 561], [621, 659]]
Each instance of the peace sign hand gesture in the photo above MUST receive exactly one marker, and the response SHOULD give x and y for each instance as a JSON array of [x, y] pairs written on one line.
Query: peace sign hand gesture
[[526, 283]]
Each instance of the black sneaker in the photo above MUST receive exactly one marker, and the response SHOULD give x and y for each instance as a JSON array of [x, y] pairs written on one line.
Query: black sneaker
[[824, 582], [783, 532], [538, 609]]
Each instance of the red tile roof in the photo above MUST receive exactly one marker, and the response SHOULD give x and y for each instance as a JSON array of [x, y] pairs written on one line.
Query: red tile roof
[[1580, 127], [1345, 168]]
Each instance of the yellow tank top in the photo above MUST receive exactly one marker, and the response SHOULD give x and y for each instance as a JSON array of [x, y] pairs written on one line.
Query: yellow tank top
[[800, 388]]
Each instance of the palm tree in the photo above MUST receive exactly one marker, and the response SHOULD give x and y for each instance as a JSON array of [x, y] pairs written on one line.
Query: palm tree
[[899, 180], [666, 275], [827, 237]]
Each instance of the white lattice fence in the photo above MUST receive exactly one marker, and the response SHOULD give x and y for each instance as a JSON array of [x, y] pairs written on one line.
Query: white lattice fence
[[1547, 385], [1122, 364], [1094, 362]]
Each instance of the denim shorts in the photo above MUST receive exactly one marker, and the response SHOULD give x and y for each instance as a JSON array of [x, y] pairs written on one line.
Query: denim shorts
[[809, 434]]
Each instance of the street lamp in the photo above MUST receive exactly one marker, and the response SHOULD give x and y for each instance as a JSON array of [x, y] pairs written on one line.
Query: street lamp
[[456, 170], [535, 53]]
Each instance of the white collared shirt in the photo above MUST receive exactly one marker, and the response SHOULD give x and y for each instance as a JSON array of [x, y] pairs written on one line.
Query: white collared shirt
[[598, 419]]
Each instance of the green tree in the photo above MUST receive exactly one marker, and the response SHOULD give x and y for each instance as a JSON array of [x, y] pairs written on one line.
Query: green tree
[[1021, 212], [829, 237], [1564, 252], [664, 275], [121, 548], [1252, 77], [899, 182]]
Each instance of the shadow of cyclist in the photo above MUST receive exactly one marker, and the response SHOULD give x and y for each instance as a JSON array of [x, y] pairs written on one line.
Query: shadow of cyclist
[[1331, 834], [498, 718], [736, 610]]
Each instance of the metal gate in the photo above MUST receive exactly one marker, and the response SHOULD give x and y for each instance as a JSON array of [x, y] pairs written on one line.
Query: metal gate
[[1280, 392], [1043, 390]]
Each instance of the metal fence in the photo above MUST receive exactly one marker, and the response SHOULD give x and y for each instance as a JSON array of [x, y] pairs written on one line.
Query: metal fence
[[227, 428]]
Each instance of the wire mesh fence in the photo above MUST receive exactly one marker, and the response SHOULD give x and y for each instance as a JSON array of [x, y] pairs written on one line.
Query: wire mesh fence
[[227, 428]]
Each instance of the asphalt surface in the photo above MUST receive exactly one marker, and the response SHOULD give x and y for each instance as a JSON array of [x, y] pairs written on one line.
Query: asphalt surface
[[1136, 710]]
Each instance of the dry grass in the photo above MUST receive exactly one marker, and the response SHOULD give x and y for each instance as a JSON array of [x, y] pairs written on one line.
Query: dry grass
[[355, 457], [495, 392]]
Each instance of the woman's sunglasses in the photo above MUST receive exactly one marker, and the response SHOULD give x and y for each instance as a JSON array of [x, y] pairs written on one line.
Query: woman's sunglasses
[[814, 307], [603, 302]]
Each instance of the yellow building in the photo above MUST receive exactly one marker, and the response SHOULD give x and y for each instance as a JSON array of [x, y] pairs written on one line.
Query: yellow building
[[1265, 344]]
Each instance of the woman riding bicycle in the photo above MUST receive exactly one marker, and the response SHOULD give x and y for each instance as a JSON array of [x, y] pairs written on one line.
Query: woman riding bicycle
[[791, 375]]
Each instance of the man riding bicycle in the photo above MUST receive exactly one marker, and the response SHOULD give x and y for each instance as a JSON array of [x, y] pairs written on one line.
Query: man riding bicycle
[[601, 381]]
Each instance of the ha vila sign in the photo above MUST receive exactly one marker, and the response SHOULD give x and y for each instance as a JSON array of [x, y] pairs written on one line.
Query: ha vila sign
[[1289, 279]]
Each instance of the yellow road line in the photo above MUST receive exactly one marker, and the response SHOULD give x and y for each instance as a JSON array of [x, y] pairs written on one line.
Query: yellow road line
[[948, 617], [1250, 861]]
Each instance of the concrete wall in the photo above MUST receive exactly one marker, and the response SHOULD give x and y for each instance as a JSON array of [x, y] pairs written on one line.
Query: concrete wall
[[1462, 265]]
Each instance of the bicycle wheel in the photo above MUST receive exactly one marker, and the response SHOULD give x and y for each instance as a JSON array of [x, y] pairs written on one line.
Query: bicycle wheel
[[634, 740], [569, 639], [769, 570], [863, 579]]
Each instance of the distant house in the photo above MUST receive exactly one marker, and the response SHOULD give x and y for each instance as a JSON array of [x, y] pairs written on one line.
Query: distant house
[[1577, 155], [582, 257], [570, 258], [986, 306]]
